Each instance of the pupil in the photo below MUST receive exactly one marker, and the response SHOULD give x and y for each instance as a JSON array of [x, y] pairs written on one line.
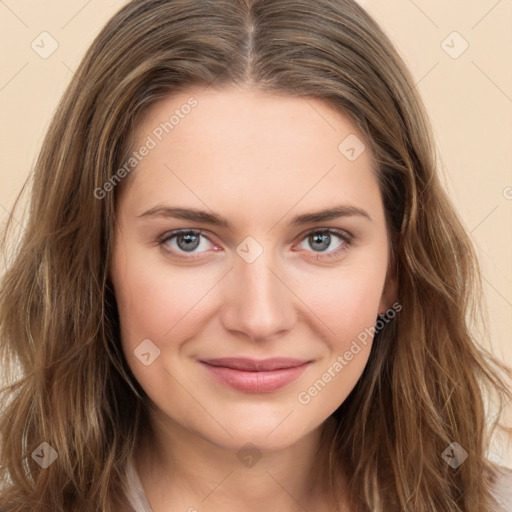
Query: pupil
[[190, 244], [325, 237]]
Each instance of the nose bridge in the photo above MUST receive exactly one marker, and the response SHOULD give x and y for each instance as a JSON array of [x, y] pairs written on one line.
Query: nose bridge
[[260, 303]]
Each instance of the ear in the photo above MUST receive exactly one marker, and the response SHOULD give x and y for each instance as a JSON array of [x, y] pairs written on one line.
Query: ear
[[389, 291]]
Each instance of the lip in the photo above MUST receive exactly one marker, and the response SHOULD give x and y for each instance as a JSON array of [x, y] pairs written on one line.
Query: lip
[[255, 365], [253, 375]]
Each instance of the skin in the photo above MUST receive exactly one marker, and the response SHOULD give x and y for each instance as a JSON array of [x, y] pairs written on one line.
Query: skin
[[258, 160]]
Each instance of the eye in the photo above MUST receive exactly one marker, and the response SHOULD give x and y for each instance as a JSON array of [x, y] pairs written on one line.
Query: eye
[[322, 239], [182, 242]]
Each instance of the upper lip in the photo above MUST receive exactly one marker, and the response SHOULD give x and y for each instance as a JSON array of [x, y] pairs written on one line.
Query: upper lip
[[255, 365]]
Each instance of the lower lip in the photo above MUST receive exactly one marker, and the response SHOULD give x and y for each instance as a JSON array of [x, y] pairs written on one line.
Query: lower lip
[[256, 382]]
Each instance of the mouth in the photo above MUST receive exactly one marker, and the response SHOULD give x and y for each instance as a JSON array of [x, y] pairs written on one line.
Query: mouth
[[255, 376]]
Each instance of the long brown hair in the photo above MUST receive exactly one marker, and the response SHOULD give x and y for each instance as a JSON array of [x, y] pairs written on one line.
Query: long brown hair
[[428, 378]]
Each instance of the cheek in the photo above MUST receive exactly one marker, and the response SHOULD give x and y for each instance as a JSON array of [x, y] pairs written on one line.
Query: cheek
[[348, 305], [156, 302], [359, 305], [346, 299], [159, 305]]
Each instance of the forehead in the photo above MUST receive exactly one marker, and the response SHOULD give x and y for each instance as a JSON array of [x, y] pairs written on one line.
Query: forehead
[[253, 118], [250, 145]]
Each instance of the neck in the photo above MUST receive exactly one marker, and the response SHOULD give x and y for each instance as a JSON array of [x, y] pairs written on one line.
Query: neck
[[181, 470]]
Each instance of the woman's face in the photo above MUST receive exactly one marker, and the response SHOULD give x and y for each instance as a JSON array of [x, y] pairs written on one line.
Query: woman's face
[[253, 325]]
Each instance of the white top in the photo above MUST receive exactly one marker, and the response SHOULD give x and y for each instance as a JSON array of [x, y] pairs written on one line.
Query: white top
[[134, 490], [139, 502]]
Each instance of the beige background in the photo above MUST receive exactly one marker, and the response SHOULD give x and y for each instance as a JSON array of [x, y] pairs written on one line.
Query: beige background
[[469, 99]]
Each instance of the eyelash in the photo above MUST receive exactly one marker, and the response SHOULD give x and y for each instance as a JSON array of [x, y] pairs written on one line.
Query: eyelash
[[345, 237]]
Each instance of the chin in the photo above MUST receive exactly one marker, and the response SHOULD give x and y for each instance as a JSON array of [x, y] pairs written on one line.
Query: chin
[[266, 436]]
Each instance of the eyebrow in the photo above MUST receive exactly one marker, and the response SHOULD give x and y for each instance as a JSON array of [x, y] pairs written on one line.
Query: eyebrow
[[214, 219]]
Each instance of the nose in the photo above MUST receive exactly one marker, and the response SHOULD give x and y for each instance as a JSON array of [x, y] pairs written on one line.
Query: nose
[[258, 300]]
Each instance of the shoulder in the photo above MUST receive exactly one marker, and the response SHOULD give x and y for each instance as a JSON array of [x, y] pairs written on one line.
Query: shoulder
[[502, 489]]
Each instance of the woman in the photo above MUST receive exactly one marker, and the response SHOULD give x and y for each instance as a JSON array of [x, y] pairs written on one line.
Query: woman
[[241, 283]]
